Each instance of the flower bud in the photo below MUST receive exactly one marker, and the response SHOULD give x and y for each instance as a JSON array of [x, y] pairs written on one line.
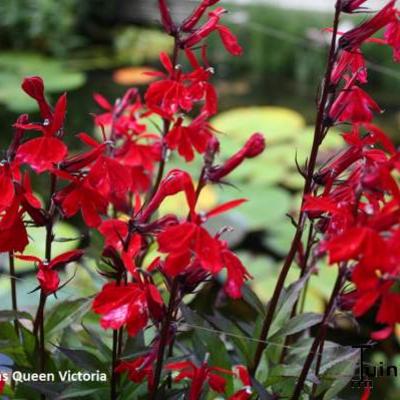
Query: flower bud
[[193, 19], [254, 146], [354, 38], [34, 87], [176, 181], [350, 6], [206, 29], [166, 19], [211, 151], [229, 41]]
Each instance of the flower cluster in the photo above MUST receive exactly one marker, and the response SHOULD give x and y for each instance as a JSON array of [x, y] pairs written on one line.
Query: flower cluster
[[355, 201], [118, 184]]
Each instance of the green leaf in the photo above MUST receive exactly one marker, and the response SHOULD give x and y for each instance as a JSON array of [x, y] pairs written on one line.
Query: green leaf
[[337, 377], [211, 341], [84, 389], [65, 314], [297, 324], [134, 346], [286, 303], [52, 390], [98, 342], [10, 345], [83, 359], [11, 315], [267, 206]]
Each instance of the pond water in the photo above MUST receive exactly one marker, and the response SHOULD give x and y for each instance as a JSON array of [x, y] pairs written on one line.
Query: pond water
[[282, 65]]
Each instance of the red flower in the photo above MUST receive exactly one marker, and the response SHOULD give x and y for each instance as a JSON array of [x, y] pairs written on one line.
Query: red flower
[[13, 235], [229, 40], [354, 105], [139, 160], [115, 115], [245, 393], [81, 196], [166, 19], [43, 152], [178, 91], [392, 36], [199, 376], [133, 153], [170, 95], [350, 61], [189, 244], [190, 22], [176, 181], [7, 191], [125, 305], [186, 138], [47, 275], [116, 236], [355, 243], [109, 177], [34, 87], [354, 38], [237, 273], [254, 146], [187, 239], [350, 6], [80, 161], [139, 369]]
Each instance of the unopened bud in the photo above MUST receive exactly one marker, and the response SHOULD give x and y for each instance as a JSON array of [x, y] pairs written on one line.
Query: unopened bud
[[253, 147]]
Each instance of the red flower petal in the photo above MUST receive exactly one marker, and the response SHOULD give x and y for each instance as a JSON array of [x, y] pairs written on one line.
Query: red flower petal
[[42, 153]]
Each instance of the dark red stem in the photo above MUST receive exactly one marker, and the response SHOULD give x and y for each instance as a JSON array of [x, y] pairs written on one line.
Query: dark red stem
[[164, 336], [319, 132], [320, 335]]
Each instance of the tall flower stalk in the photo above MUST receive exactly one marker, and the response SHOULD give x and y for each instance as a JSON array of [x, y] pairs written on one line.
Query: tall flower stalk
[[322, 126]]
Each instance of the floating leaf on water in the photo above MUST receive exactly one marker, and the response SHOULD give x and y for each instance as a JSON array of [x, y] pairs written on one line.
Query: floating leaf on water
[[266, 207], [15, 66], [276, 123]]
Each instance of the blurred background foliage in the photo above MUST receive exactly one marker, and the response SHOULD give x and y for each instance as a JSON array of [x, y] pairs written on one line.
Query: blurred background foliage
[[82, 46]]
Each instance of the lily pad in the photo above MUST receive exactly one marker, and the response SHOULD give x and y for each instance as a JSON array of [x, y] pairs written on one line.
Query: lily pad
[[266, 206], [15, 66], [277, 123]]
